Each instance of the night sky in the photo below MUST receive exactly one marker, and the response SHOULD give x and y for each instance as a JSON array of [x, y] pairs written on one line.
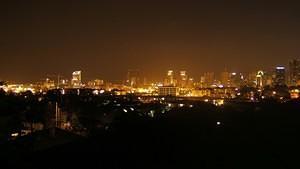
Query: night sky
[[105, 38]]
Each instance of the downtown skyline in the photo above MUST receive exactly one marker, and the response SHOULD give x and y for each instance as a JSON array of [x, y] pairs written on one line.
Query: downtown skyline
[[149, 84], [105, 39]]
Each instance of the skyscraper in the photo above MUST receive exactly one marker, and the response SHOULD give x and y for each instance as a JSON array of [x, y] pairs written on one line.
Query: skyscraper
[[170, 81], [294, 72], [183, 78], [76, 79], [259, 79], [279, 76]]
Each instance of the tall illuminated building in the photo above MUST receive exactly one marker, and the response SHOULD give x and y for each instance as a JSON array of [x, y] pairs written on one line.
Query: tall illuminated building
[[279, 76], [170, 81], [133, 78], [76, 79], [260, 79], [294, 72], [183, 79]]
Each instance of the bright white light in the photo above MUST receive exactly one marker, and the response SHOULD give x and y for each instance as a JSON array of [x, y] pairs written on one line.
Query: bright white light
[[181, 105], [151, 114], [132, 109], [206, 100], [96, 92], [102, 91], [125, 110], [218, 123], [191, 106], [14, 134]]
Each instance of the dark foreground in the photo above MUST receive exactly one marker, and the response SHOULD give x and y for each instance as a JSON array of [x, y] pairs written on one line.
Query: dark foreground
[[260, 135]]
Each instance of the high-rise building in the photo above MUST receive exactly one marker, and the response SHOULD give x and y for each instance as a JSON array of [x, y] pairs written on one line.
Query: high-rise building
[[279, 76], [183, 79], [170, 81], [76, 79], [133, 78], [294, 72], [260, 79]]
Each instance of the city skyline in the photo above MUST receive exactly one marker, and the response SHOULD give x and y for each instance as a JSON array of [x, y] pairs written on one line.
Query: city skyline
[[105, 39], [290, 70], [149, 84]]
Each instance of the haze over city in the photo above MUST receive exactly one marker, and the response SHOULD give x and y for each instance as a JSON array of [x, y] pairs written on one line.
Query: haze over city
[[149, 84], [106, 38]]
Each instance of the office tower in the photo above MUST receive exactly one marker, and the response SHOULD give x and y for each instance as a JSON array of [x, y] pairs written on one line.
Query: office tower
[[279, 76], [259, 79], [133, 78], [170, 81], [294, 72], [76, 79], [183, 79]]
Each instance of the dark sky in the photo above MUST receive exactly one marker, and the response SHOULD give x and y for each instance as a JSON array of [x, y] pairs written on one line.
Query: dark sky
[[105, 38]]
